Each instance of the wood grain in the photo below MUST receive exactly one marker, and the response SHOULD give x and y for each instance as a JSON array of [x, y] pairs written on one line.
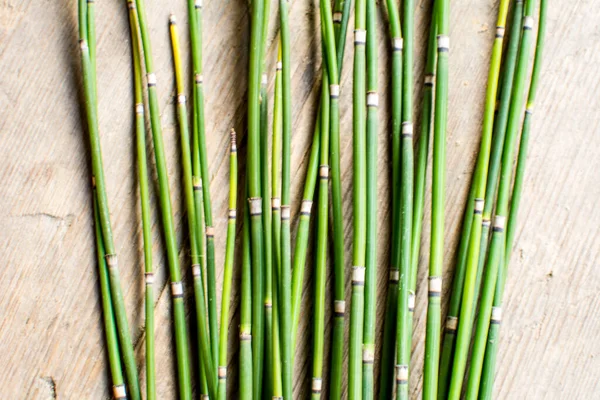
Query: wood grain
[[51, 338]]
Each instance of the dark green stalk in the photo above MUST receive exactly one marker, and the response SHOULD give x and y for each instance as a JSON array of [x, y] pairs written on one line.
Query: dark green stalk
[[359, 204], [432, 338], [285, 279], [228, 269], [404, 331], [104, 215], [490, 311], [389, 327], [211, 281], [465, 322], [110, 329], [255, 192], [140, 130], [368, 356], [276, 231], [245, 391], [337, 350]]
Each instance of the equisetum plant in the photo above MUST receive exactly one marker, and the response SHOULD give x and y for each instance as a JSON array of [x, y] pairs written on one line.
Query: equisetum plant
[[274, 262]]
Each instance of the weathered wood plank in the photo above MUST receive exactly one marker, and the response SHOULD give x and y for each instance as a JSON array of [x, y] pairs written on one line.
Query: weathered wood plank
[[51, 337]]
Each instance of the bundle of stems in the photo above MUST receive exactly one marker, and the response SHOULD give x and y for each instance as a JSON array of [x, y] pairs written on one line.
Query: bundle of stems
[[465, 321], [88, 60], [359, 204], [140, 133], [497, 258], [485, 389], [389, 327], [181, 336], [500, 120], [432, 334], [204, 340]]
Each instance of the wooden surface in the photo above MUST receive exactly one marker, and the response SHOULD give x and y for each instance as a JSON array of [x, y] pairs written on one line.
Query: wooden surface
[[51, 338]]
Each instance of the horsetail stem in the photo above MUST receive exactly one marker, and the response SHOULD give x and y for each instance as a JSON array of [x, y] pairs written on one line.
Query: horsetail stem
[[140, 129], [368, 350], [110, 329], [359, 200], [205, 353], [498, 244], [276, 231], [340, 25], [389, 327], [181, 340], [432, 335], [322, 228], [404, 323], [245, 391], [285, 278], [228, 268], [91, 109]]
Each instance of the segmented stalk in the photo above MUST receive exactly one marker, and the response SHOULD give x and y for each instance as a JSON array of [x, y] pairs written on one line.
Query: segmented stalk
[[436, 260], [359, 204], [110, 329], [404, 323], [389, 327], [228, 268], [285, 292], [487, 313], [88, 69], [245, 390], [140, 130]]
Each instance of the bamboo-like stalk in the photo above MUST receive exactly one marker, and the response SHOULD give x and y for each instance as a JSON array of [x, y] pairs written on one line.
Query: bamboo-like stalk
[[498, 243], [211, 280], [110, 329], [228, 268], [181, 336], [267, 226], [254, 193], [432, 338], [499, 136], [285, 293], [140, 130], [389, 328], [322, 222], [91, 107], [423, 154], [368, 356], [245, 391], [404, 331], [465, 322], [276, 231], [359, 203], [340, 27]]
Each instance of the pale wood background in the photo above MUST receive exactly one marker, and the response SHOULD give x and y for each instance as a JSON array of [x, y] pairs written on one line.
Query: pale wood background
[[51, 337]]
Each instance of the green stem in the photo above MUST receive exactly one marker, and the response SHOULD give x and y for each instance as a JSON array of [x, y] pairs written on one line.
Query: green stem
[[359, 205], [110, 329], [432, 335], [389, 327], [245, 391], [228, 269], [91, 107]]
